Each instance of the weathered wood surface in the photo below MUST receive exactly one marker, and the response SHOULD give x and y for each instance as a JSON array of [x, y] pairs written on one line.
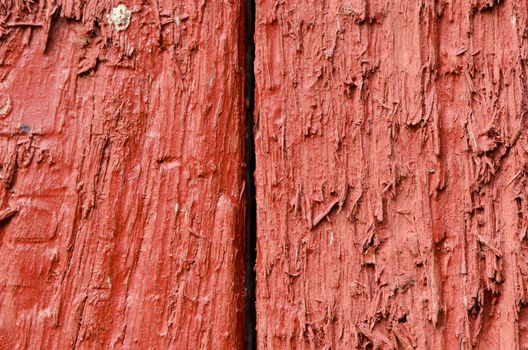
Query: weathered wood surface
[[391, 174], [121, 175]]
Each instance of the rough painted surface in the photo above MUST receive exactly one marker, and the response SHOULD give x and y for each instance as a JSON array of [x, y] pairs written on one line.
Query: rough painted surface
[[121, 175], [391, 177]]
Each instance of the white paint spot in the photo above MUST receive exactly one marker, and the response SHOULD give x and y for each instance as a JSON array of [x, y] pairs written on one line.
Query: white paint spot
[[513, 21], [348, 9], [119, 17]]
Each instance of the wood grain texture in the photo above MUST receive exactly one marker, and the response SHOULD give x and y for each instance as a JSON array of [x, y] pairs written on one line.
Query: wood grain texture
[[122, 175], [391, 174]]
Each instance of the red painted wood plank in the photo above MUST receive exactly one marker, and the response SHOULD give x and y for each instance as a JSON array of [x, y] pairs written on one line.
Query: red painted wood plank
[[121, 175], [391, 198]]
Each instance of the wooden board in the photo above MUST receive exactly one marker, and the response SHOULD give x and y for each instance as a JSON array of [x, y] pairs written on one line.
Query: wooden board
[[122, 173], [391, 190]]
